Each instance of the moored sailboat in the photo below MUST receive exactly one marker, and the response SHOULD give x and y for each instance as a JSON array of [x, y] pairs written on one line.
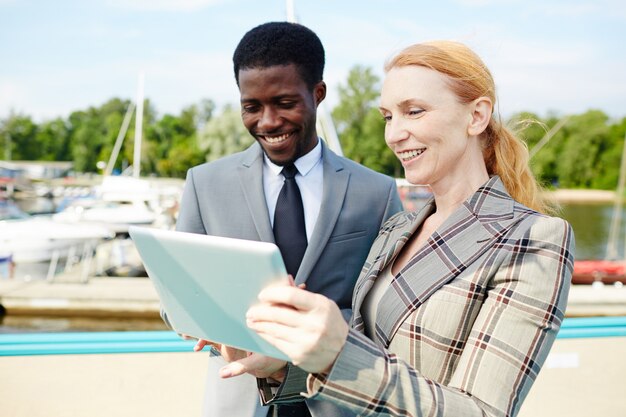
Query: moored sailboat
[[612, 269]]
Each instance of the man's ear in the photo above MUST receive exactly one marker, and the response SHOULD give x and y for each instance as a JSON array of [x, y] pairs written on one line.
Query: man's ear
[[319, 92], [481, 109]]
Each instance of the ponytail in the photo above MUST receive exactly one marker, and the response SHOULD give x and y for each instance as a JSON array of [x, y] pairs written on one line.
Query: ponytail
[[507, 156]]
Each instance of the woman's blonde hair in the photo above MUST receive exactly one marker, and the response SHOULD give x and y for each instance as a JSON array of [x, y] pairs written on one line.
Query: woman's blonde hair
[[469, 78]]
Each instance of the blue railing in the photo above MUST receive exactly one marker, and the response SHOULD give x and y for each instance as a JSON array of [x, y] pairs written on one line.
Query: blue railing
[[593, 327], [92, 342], [168, 341]]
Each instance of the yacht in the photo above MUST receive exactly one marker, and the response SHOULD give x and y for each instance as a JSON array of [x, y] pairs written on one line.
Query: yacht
[[28, 239]]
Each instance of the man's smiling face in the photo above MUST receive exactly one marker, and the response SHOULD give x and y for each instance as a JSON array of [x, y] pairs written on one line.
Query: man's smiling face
[[279, 110]]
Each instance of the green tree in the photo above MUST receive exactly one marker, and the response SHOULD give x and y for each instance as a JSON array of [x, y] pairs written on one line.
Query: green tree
[[532, 129], [224, 135], [175, 140], [360, 126], [93, 133], [610, 158], [19, 138], [586, 139], [54, 139]]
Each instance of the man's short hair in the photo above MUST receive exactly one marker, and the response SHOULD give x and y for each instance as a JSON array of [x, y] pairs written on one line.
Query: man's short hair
[[281, 43]]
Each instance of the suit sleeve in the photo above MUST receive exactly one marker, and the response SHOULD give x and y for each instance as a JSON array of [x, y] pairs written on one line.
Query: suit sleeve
[[508, 343], [189, 218]]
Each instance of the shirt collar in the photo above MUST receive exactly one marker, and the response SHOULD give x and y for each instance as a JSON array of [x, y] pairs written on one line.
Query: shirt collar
[[304, 164]]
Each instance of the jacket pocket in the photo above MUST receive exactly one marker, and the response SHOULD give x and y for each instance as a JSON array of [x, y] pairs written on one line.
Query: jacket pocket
[[347, 236]]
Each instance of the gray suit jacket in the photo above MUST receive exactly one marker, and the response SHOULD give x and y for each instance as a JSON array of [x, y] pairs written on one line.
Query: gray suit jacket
[[226, 198]]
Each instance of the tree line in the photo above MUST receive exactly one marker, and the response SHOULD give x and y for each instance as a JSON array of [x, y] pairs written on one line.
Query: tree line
[[583, 150]]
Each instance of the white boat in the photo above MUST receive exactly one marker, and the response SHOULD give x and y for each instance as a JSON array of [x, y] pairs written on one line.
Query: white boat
[[116, 216], [29, 239]]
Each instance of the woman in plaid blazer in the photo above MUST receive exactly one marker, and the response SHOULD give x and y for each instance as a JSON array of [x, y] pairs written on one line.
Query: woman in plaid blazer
[[458, 304]]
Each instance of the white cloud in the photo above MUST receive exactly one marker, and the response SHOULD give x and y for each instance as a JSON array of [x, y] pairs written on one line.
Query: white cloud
[[183, 78], [544, 76], [162, 5], [483, 3], [601, 8], [534, 69], [110, 32], [574, 9], [173, 80], [13, 97]]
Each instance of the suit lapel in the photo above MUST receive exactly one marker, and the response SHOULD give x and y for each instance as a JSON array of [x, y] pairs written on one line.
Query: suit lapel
[[250, 173], [457, 243], [391, 241], [335, 186]]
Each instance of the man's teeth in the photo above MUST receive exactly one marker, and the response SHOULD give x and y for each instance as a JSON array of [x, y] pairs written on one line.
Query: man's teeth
[[276, 139], [411, 154]]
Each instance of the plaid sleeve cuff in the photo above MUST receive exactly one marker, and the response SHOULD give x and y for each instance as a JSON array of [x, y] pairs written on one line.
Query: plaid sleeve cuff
[[345, 366]]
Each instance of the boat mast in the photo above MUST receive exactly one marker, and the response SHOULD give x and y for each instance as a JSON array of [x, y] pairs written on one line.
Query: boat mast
[[291, 15], [138, 127], [122, 133], [120, 139], [325, 124], [616, 220]]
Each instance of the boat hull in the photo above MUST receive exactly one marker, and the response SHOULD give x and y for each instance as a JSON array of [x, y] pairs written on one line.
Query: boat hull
[[607, 272]]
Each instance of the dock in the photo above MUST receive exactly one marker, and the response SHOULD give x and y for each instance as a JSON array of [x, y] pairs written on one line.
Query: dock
[[97, 297], [137, 298]]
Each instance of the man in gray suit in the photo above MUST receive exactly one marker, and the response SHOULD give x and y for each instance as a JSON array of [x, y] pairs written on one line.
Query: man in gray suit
[[279, 68]]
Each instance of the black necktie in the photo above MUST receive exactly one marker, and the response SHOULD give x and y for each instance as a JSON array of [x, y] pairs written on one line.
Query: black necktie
[[289, 229], [290, 236]]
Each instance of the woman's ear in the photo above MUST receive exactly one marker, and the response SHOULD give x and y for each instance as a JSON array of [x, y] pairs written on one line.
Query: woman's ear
[[481, 109]]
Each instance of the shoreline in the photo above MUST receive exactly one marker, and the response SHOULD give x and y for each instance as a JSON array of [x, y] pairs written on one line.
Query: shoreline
[[582, 196]]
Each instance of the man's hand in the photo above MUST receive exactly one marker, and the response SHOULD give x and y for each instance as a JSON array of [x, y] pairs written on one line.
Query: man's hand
[[202, 343], [242, 362], [257, 365]]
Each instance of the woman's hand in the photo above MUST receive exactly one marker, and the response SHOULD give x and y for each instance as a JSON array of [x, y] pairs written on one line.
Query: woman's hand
[[307, 327]]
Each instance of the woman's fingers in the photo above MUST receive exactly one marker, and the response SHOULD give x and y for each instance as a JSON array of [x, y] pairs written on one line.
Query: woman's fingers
[[280, 332], [281, 314], [294, 297]]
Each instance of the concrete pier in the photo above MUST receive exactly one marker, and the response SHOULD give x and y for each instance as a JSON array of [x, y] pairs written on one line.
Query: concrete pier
[[136, 297], [98, 297]]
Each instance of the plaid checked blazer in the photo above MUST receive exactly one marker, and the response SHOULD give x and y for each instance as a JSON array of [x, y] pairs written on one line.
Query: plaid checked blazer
[[466, 325]]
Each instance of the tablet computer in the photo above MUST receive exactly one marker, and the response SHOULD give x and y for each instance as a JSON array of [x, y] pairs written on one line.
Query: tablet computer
[[206, 284]]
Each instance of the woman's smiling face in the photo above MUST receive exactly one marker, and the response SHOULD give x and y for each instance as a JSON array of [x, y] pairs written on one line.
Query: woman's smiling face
[[427, 126]]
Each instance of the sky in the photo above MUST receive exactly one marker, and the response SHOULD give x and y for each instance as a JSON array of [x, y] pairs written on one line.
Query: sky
[[547, 56]]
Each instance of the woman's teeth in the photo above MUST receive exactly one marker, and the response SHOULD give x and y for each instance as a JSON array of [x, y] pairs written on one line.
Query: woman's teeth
[[405, 156], [276, 139]]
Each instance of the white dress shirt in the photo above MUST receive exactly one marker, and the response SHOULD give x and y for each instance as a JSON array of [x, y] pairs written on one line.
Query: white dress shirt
[[310, 180]]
